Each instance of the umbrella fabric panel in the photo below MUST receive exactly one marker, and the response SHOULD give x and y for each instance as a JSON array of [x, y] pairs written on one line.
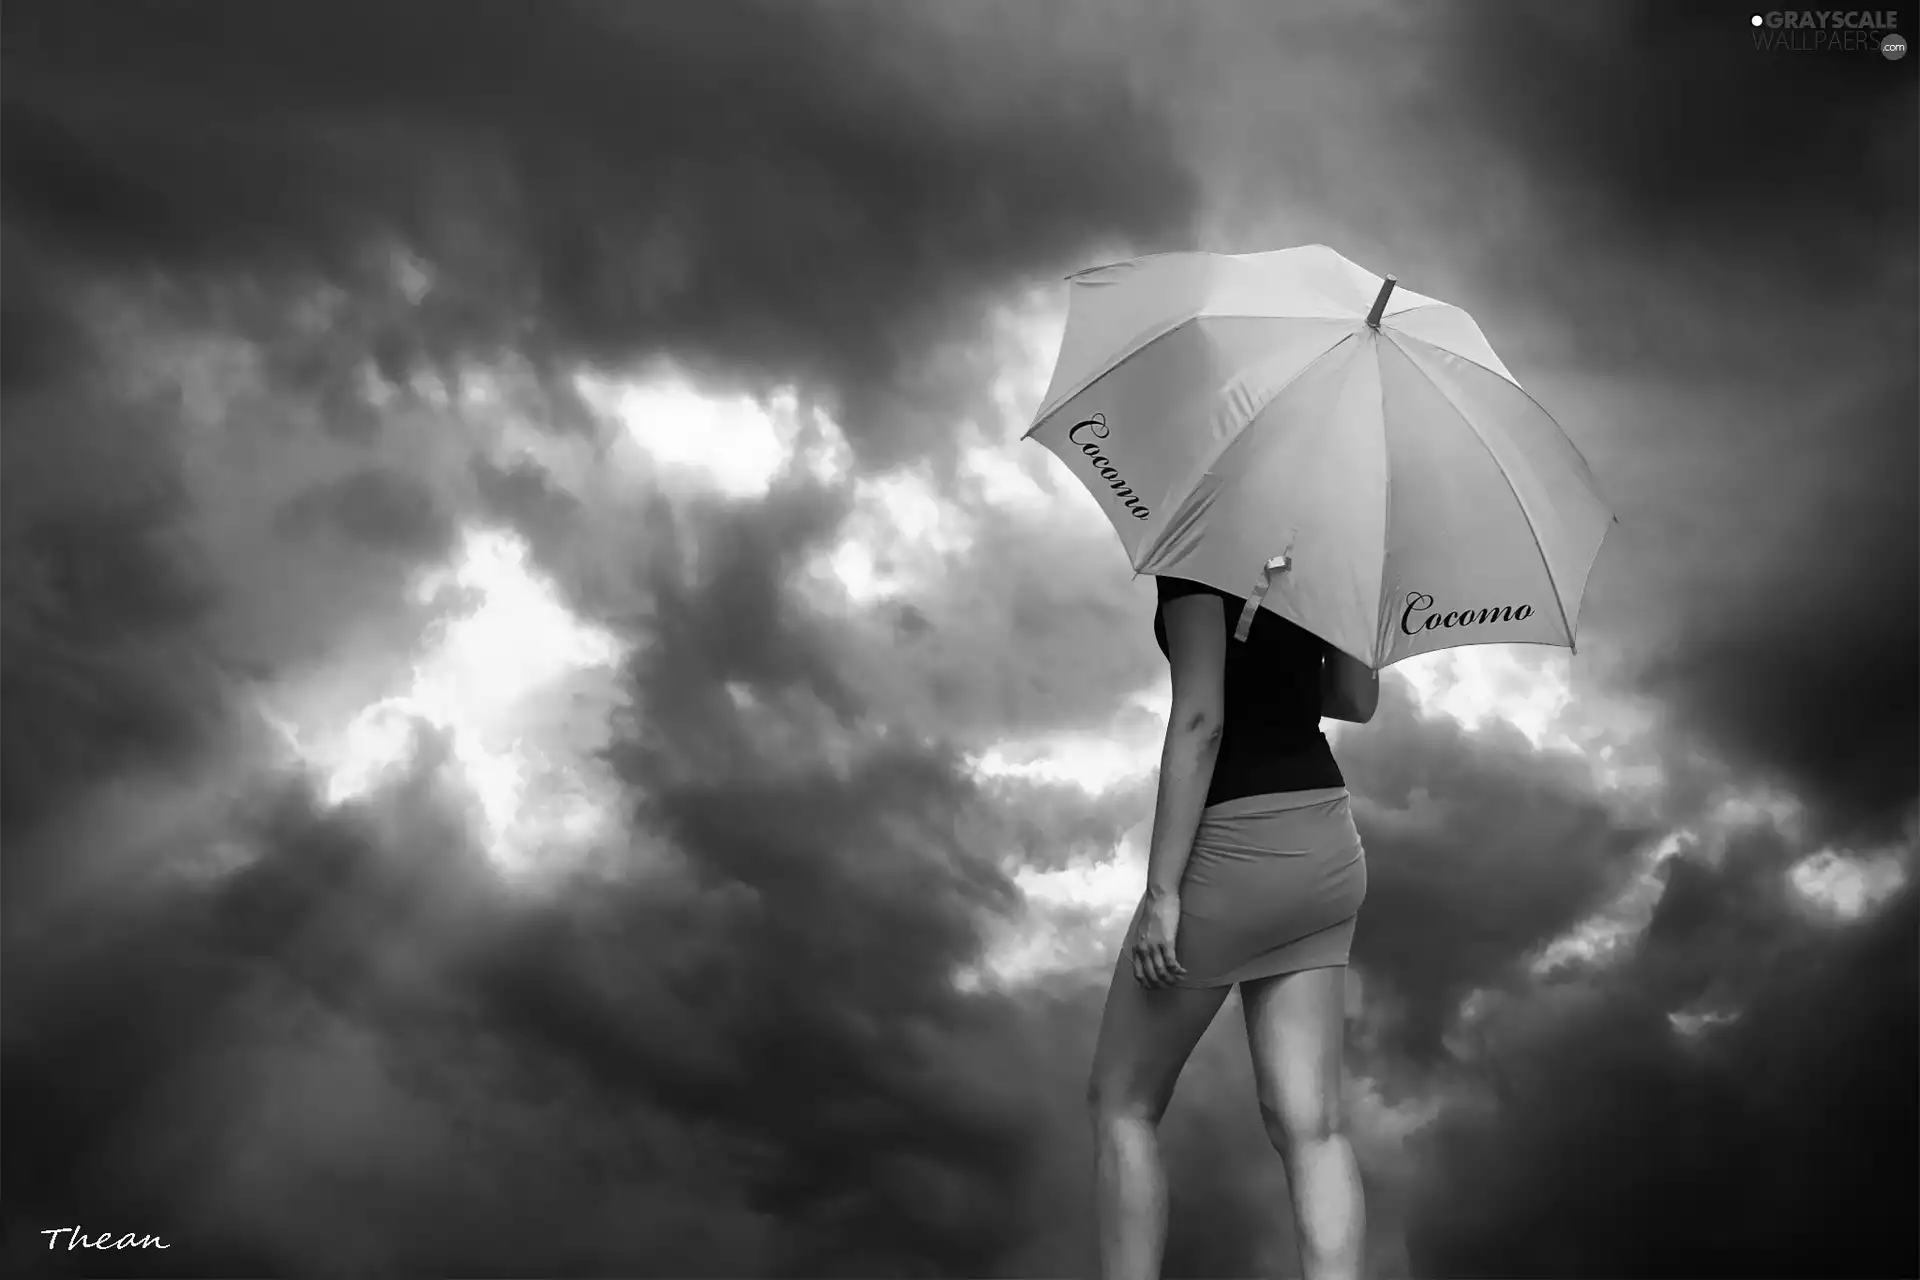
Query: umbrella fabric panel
[[1347, 285], [1446, 327], [1114, 310], [1128, 436], [1306, 477], [1263, 358], [1139, 437], [1549, 476], [1463, 565]]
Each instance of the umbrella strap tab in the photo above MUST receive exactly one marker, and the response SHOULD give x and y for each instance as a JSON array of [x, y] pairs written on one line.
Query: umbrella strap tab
[[1279, 564], [1246, 618]]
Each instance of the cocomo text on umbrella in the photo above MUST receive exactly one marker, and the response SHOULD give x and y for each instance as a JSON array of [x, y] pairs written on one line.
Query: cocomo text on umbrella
[[1096, 426], [1421, 602]]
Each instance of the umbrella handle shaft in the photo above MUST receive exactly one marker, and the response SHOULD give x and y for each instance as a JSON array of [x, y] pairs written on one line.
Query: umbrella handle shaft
[[1380, 303]]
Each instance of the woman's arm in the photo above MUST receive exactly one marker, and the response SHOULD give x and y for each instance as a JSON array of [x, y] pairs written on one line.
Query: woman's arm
[[1197, 650], [1349, 689]]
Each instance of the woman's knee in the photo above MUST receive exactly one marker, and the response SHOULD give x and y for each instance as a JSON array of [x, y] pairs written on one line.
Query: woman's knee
[[1110, 1098], [1290, 1128]]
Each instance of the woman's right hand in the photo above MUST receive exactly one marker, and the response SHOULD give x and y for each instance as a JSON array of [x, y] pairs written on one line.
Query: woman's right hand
[[1155, 965]]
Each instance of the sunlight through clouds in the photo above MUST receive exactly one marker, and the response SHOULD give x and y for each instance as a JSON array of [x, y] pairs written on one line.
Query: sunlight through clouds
[[1757, 806], [897, 541], [1472, 685], [901, 530], [1697, 1022], [732, 444], [1845, 887], [1608, 935], [1071, 918], [1027, 332], [1094, 762], [518, 686], [1531, 689], [998, 479], [1831, 884]]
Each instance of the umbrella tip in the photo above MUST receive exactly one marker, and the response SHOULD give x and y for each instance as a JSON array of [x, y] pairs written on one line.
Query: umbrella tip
[[1380, 303]]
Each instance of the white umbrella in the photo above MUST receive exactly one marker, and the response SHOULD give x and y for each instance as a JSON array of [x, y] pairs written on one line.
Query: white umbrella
[[1290, 428]]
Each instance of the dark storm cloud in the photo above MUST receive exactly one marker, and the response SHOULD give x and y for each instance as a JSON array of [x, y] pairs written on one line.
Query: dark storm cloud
[[1735, 224], [43, 340], [767, 191], [765, 1070], [376, 1058], [1480, 851], [1035, 629], [732, 620], [1780, 1144], [1783, 696], [1049, 826], [892, 1123], [1650, 121], [102, 664], [527, 498], [772, 1074], [379, 509], [382, 1059]]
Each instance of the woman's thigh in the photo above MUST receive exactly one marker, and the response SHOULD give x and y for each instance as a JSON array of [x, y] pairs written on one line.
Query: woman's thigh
[[1296, 1030], [1145, 1040]]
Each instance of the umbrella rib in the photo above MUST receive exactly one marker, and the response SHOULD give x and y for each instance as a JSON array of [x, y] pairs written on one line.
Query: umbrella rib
[[1526, 516], [1054, 406], [1418, 306], [1381, 621]]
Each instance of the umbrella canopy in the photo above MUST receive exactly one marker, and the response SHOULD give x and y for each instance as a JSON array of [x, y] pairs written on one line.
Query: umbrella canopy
[[1289, 427]]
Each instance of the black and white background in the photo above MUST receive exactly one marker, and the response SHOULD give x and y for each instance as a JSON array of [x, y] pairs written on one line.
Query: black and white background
[[551, 727]]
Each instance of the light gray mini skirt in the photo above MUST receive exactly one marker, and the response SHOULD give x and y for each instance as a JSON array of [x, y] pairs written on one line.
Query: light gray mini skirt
[[1274, 885]]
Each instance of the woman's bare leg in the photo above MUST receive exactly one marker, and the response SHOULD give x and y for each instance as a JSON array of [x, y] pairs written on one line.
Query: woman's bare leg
[[1296, 1027], [1145, 1040]]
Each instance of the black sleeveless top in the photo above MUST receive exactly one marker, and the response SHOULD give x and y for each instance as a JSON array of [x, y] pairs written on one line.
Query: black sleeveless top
[[1271, 740]]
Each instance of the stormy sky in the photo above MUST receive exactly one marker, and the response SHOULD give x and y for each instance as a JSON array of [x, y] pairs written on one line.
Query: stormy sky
[[551, 726]]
